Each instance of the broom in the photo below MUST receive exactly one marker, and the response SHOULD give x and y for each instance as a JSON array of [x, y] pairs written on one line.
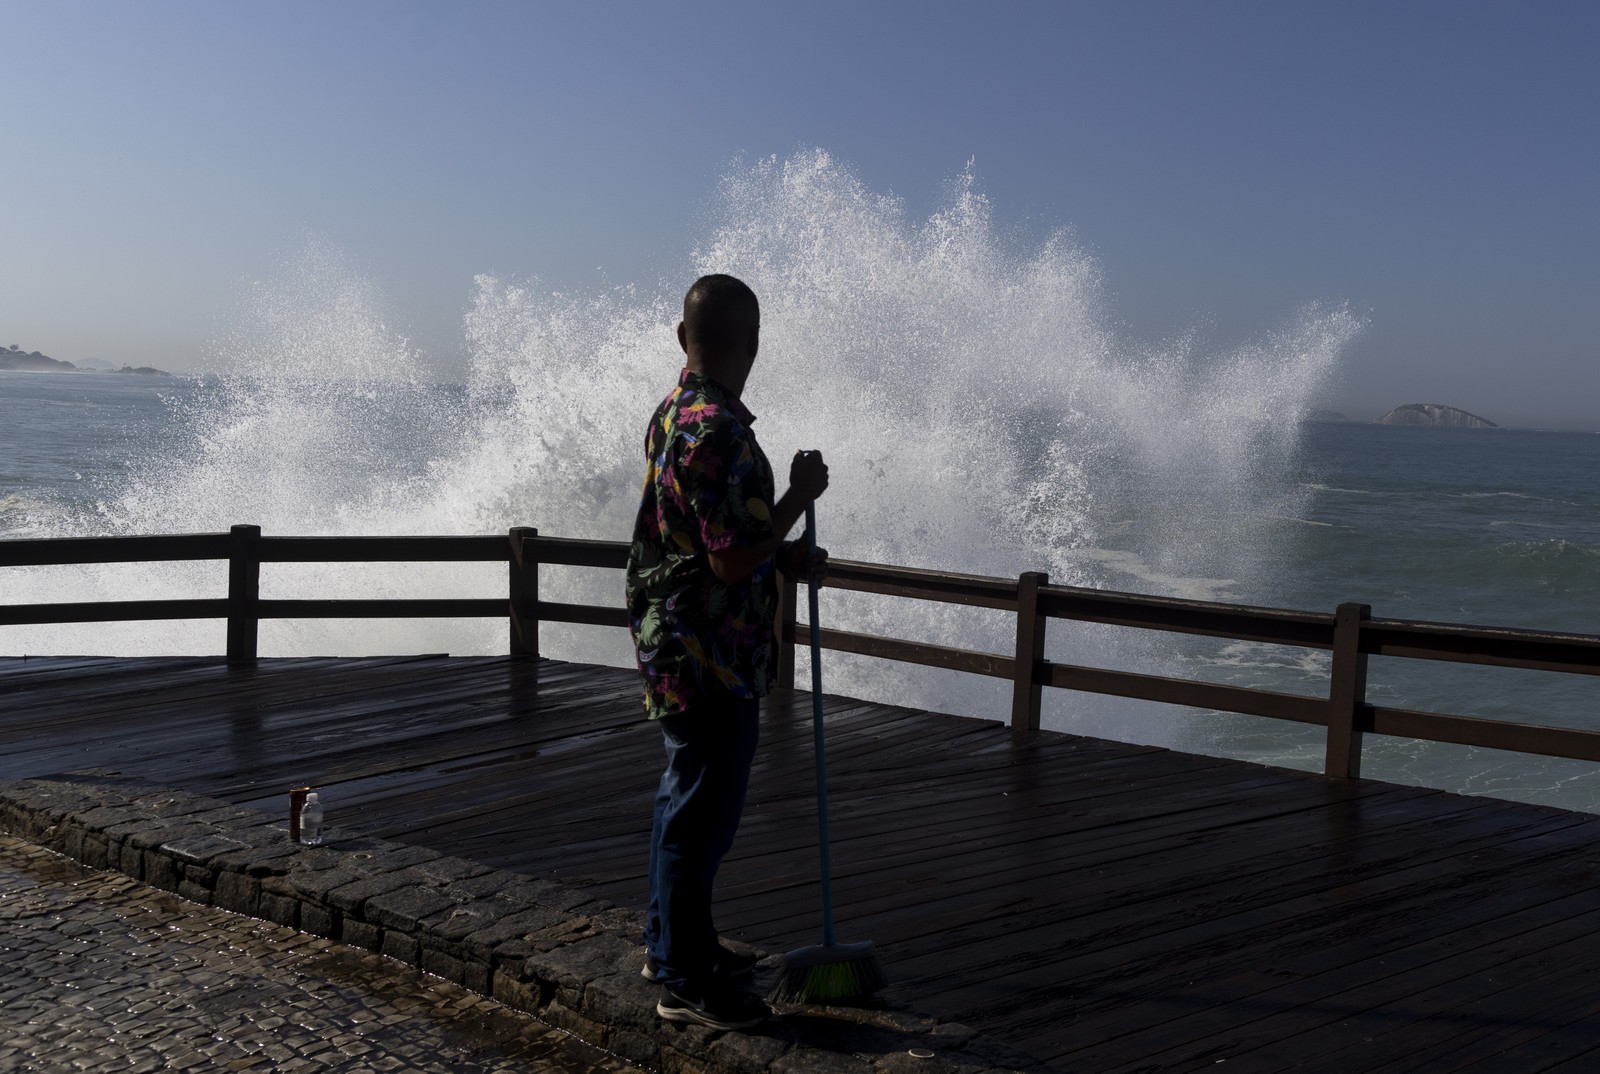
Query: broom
[[831, 972]]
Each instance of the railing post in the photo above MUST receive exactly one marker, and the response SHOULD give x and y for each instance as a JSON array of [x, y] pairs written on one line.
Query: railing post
[[1347, 692], [788, 605], [1025, 688], [524, 582], [244, 593]]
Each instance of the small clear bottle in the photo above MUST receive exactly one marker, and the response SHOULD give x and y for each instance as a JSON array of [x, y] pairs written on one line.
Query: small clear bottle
[[311, 821]]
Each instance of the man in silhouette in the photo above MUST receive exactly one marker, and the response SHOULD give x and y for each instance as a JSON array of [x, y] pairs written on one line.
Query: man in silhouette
[[702, 601]]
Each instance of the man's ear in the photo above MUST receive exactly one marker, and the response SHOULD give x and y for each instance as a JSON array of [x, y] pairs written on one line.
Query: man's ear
[[683, 337]]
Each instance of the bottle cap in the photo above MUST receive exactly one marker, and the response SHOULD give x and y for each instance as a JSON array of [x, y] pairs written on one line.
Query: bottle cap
[[312, 797]]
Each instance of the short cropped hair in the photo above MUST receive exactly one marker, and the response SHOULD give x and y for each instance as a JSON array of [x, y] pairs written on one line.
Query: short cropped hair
[[719, 311]]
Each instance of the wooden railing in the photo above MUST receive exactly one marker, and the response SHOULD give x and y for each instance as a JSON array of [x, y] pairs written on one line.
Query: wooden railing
[[1350, 633]]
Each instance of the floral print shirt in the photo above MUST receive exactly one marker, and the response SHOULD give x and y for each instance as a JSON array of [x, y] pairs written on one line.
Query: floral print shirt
[[707, 487]]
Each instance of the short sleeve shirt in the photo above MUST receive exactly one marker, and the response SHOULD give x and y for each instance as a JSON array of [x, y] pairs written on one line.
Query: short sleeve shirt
[[707, 487]]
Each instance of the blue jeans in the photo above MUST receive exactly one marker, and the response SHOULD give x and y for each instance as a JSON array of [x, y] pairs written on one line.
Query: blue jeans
[[697, 811]]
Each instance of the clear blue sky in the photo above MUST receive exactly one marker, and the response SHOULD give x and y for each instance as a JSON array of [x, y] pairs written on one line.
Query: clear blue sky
[[1435, 164]]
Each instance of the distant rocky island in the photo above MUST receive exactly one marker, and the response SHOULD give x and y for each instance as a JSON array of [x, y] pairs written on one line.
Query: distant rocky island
[[15, 359], [1435, 414]]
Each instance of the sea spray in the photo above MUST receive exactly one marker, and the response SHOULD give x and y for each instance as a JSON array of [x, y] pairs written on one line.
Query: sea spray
[[316, 419], [984, 415], [980, 408]]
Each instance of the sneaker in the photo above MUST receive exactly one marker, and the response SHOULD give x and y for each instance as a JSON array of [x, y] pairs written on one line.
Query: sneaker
[[731, 965], [726, 1008]]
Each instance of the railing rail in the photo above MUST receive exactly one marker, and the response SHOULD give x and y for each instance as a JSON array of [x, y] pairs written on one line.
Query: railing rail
[[51, 551], [1349, 632]]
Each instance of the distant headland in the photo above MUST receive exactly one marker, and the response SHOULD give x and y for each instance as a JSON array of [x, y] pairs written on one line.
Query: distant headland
[[1435, 414], [14, 359]]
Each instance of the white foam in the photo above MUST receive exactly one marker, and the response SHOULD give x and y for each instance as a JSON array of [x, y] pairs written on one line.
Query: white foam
[[980, 408], [1155, 581]]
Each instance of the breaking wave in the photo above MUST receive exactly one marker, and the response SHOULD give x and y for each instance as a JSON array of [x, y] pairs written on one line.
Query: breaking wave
[[980, 407]]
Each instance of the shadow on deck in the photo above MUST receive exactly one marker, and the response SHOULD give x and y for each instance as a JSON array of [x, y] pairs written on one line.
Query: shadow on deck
[[1107, 907]]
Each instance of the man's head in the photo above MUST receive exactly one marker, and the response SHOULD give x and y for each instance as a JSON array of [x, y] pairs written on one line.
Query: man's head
[[721, 328]]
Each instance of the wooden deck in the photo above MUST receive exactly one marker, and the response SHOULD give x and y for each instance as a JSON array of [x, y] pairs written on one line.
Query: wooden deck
[[1106, 907]]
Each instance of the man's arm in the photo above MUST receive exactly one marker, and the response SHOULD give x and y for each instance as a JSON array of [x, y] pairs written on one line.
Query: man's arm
[[808, 479]]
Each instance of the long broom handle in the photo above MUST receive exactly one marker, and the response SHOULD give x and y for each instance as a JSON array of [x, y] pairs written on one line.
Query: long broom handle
[[816, 728]]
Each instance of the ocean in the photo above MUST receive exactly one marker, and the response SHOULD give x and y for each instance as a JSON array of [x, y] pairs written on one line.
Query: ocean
[[982, 410], [1494, 527]]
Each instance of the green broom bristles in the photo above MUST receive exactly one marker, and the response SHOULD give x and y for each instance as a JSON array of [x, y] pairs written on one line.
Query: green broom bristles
[[830, 973]]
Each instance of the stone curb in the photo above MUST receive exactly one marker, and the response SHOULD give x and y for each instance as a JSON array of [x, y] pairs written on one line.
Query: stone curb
[[537, 945]]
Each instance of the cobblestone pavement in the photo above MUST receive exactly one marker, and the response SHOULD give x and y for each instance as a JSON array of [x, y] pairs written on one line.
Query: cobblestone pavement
[[99, 972]]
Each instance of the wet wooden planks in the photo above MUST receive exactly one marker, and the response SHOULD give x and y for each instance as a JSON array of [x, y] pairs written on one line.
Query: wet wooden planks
[[1106, 906]]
